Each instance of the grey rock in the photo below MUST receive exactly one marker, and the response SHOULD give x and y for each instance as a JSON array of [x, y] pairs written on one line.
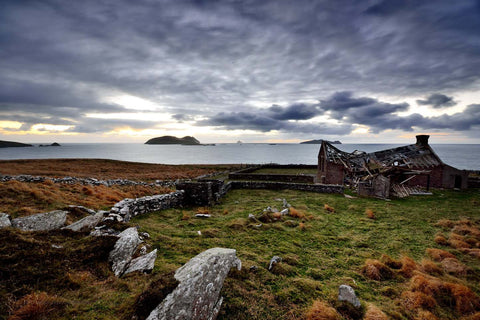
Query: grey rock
[[124, 248], [5, 220], [143, 263], [42, 221], [144, 235], [284, 212], [86, 223], [90, 211], [274, 261], [203, 215], [198, 294], [346, 293], [285, 203], [252, 218]]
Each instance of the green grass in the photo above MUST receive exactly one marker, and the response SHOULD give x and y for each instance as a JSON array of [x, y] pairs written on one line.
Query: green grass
[[330, 250]]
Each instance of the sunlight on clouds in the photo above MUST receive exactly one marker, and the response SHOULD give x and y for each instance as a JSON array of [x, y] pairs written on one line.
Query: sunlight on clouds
[[361, 130], [133, 102], [49, 128], [10, 124], [155, 116]]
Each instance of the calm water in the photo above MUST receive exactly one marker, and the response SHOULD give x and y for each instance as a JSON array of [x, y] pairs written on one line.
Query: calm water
[[463, 156]]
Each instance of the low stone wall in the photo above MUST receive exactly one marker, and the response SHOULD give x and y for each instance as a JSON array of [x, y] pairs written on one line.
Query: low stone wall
[[319, 188], [297, 178], [84, 181], [128, 208]]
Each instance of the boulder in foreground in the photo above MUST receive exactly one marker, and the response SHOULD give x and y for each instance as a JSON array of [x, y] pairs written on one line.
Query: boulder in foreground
[[42, 221], [201, 280]]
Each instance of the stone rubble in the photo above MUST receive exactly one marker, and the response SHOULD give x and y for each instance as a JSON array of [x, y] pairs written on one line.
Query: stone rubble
[[144, 263], [125, 247], [41, 221], [201, 280], [273, 262], [87, 223], [5, 220], [129, 208]]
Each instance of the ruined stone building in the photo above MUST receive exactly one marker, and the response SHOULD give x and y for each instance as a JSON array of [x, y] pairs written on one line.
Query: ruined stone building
[[399, 170]]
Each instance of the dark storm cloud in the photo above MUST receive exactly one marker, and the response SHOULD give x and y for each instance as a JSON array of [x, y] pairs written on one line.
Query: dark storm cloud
[[59, 59], [438, 101]]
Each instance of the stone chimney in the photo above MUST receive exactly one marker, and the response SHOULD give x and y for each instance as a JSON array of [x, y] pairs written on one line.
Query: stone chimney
[[422, 139]]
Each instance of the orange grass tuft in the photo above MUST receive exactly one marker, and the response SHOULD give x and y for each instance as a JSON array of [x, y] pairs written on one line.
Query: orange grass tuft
[[328, 208], [440, 239], [370, 214], [411, 300], [295, 213], [425, 315], [376, 270], [430, 267], [302, 226], [445, 223], [36, 306], [439, 254], [321, 311], [457, 241], [465, 299], [464, 229], [374, 313], [408, 267], [390, 262], [473, 252]]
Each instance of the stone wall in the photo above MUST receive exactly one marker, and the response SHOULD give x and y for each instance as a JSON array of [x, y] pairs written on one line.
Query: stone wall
[[298, 178], [319, 188], [128, 208]]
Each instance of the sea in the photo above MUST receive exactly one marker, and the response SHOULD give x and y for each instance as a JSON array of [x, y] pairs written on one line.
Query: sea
[[461, 156]]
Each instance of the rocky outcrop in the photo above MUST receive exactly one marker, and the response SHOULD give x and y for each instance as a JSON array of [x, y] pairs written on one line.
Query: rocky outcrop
[[87, 223], [5, 220], [128, 208], [144, 263], [124, 248], [201, 280], [42, 221]]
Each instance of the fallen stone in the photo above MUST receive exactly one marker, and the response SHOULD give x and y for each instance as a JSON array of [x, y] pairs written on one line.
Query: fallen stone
[[284, 212], [252, 218], [346, 293], [90, 211], [87, 223], [198, 294], [42, 221], [143, 263], [5, 220], [124, 248], [203, 215], [274, 261], [285, 203]]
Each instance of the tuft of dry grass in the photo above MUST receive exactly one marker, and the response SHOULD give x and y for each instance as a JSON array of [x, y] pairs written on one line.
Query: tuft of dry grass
[[295, 213], [445, 223], [374, 313], [370, 214], [441, 240], [408, 267], [430, 267], [376, 270], [425, 315], [412, 300], [302, 226], [328, 208], [457, 241], [37, 306], [466, 301], [321, 311], [439, 254], [390, 262]]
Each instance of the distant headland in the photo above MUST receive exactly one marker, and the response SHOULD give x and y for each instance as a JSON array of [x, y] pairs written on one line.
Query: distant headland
[[319, 141], [188, 140], [11, 144]]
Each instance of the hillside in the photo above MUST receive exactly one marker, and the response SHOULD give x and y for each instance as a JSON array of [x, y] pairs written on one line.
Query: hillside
[[319, 141], [10, 144], [187, 140]]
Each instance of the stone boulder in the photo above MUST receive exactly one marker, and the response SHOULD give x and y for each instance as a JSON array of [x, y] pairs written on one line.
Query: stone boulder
[[346, 293], [125, 247], [200, 281], [42, 221], [143, 263], [87, 223], [5, 220]]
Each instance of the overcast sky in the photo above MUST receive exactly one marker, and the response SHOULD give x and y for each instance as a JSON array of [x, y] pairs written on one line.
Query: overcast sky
[[256, 71]]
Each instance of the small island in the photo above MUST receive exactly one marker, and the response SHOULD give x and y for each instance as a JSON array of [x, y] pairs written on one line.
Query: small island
[[188, 140], [55, 144], [319, 141], [11, 144]]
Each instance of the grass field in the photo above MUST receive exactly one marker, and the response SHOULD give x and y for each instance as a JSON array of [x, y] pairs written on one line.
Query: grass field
[[413, 258]]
